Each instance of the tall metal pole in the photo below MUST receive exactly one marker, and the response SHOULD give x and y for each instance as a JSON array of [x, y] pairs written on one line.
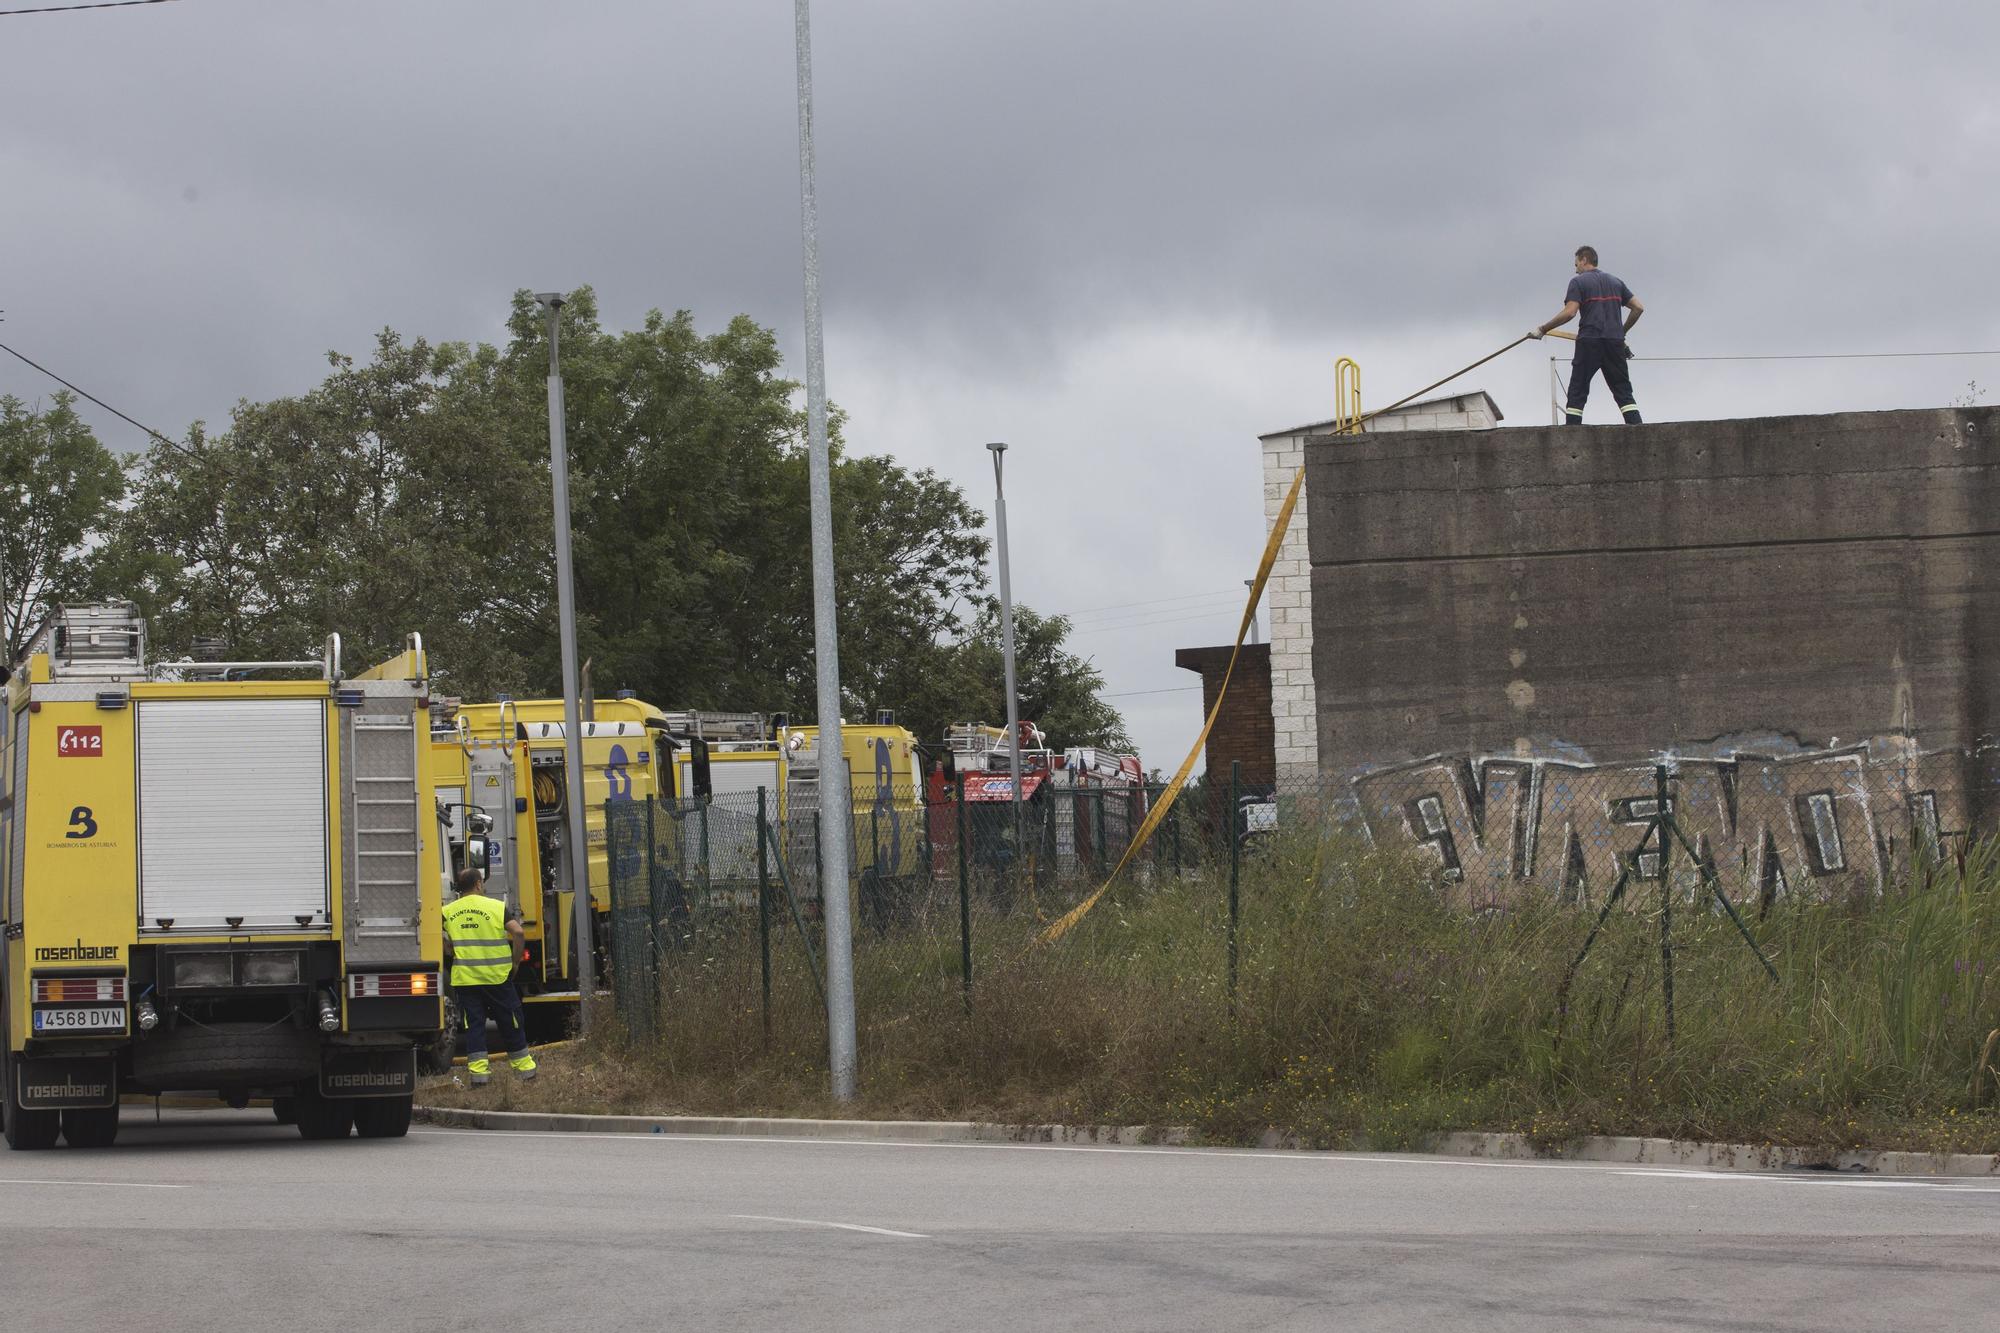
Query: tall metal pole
[[1251, 583], [1007, 638], [579, 849], [836, 802]]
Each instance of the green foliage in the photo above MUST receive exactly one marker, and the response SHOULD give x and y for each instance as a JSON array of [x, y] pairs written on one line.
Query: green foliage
[[1058, 690], [396, 496], [58, 489], [412, 493], [1372, 1009]]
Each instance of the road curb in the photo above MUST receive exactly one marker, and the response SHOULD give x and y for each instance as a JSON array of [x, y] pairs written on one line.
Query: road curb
[[1494, 1147], [856, 1131], [1719, 1156]]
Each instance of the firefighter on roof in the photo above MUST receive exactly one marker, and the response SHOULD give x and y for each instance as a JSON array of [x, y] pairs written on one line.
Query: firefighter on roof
[[1600, 339]]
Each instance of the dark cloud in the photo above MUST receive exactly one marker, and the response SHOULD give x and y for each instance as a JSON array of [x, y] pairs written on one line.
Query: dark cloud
[[1127, 235]]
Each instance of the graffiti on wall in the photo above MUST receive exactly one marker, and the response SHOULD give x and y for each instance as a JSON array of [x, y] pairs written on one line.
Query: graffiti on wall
[[1821, 822]]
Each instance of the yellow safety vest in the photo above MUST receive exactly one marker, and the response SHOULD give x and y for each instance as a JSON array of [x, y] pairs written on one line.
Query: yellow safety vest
[[481, 953]]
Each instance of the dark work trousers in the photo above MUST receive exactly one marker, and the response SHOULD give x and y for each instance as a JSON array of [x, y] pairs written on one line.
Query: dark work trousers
[[1594, 355], [504, 1004]]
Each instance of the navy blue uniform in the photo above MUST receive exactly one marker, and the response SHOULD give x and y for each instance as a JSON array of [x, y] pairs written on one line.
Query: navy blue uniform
[[1600, 343]]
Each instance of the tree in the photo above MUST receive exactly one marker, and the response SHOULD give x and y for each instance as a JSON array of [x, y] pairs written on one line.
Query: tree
[[1058, 691], [393, 497], [689, 484], [58, 490], [413, 493]]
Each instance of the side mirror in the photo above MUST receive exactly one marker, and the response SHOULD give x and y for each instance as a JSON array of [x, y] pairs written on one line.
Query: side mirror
[[704, 784], [477, 856]]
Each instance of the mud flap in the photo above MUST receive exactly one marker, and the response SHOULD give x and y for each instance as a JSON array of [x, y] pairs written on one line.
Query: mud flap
[[364, 1072], [66, 1085]]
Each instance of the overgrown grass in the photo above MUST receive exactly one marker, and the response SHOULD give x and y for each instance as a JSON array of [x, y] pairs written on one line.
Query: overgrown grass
[[1369, 1009]]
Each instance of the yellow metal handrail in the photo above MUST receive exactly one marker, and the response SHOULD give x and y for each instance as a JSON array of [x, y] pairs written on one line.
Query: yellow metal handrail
[[1346, 396]]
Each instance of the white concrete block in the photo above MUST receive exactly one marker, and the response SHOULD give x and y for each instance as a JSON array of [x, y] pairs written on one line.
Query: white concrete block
[[1280, 692]]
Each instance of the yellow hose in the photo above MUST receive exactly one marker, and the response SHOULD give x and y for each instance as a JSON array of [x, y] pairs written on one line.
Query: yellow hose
[[1348, 396]]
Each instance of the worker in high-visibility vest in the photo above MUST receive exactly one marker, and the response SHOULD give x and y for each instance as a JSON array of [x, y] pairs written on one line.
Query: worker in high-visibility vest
[[482, 941]]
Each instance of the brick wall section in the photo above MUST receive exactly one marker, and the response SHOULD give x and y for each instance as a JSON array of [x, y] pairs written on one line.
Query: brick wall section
[[1243, 732], [1288, 594]]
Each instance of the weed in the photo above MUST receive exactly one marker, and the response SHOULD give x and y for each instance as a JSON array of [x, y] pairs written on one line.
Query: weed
[[1370, 1008]]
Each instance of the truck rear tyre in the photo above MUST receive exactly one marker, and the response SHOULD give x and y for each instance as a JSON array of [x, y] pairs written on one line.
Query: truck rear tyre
[[285, 1110], [323, 1117], [94, 1127], [26, 1131], [383, 1117]]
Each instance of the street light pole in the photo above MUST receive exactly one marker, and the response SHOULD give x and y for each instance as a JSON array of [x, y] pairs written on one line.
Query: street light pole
[[1252, 583], [836, 799], [1007, 634], [579, 849]]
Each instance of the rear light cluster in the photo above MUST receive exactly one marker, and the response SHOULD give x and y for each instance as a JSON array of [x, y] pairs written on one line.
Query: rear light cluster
[[388, 985], [79, 990]]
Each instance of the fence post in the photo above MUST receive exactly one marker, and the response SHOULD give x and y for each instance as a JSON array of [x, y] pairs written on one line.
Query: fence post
[[1235, 865], [1218, 823], [1173, 831], [964, 904], [656, 946], [764, 912], [707, 883], [1663, 825], [1103, 838]]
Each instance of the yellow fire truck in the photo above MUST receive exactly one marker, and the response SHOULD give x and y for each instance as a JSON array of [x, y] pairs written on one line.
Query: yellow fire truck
[[740, 753], [220, 877], [501, 779], [500, 773]]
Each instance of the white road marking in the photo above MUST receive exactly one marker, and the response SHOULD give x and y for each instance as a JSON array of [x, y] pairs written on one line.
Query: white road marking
[[1247, 1154], [100, 1184], [838, 1226]]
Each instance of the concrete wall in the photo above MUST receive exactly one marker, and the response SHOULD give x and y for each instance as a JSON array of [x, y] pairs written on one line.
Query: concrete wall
[[1288, 594], [1817, 586]]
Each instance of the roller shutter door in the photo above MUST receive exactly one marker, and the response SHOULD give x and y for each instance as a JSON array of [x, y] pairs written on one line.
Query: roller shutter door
[[232, 815]]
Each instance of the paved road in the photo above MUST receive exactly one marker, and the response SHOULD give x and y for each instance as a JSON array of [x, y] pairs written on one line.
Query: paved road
[[222, 1220]]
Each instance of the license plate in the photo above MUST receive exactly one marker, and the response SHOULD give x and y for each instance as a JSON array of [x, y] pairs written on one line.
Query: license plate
[[100, 1018]]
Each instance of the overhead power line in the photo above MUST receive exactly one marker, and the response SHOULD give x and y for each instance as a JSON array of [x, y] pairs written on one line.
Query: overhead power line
[[1157, 601], [99, 4], [1133, 694], [1215, 605], [1165, 620], [1818, 356], [85, 393]]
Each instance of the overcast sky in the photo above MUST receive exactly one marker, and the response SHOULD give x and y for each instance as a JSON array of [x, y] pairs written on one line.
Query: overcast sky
[[1126, 236]]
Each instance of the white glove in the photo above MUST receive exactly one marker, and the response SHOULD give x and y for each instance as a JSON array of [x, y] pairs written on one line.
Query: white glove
[[1535, 333]]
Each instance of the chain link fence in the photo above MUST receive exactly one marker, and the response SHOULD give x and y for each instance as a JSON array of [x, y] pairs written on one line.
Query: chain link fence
[[716, 903]]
